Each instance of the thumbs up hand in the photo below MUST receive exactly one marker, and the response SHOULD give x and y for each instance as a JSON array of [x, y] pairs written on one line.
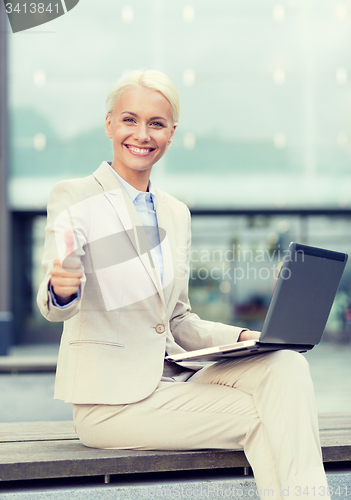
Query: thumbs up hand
[[65, 280]]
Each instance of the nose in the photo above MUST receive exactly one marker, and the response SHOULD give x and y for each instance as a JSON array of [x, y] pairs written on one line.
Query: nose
[[141, 133]]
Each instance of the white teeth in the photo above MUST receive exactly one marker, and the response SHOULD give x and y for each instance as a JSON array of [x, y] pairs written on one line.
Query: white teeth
[[139, 150]]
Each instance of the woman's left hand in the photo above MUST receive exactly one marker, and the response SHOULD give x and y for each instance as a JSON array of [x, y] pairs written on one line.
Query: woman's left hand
[[249, 335]]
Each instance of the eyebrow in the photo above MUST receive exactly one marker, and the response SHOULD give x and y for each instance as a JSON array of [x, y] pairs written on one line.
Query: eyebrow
[[152, 118]]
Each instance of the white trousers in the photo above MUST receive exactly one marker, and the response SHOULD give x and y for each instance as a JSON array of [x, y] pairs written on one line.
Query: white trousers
[[263, 403]]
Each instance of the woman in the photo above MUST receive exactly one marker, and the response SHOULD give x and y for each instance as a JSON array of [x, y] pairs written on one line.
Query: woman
[[128, 306]]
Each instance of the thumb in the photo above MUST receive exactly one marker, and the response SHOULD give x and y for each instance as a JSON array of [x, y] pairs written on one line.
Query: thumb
[[69, 242], [71, 261]]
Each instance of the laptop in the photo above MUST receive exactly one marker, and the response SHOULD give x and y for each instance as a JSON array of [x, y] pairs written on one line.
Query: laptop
[[299, 308]]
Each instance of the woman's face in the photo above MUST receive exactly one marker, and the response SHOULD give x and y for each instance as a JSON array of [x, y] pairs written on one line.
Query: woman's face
[[141, 128]]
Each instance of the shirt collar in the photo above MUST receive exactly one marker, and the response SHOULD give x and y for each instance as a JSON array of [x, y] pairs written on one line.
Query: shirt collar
[[132, 192]]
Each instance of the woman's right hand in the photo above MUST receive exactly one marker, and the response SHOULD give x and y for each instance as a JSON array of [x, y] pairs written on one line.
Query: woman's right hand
[[65, 281]]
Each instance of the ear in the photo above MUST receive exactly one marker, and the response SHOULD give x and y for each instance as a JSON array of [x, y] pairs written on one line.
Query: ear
[[108, 126], [169, 142]]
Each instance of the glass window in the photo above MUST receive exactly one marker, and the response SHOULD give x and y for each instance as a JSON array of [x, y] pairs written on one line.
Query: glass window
[[264, 86]]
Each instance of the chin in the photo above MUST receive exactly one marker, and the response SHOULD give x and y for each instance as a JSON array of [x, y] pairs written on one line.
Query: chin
[[140, 168]]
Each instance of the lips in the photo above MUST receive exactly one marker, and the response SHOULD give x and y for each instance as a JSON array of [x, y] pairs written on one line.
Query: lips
[[137, 151]]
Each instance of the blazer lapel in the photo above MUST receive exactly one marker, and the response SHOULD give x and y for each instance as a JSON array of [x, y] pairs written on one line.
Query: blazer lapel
[[116, 195]]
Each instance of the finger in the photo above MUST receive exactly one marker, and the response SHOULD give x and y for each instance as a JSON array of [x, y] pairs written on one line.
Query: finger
[[72, 264], [72, 268], [60, 282], [57, 263], [61, 274], [64, 291], [64, 286]]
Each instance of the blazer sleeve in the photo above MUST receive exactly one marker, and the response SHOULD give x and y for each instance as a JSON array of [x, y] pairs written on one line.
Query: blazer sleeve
[[190, 331], [61, 200]]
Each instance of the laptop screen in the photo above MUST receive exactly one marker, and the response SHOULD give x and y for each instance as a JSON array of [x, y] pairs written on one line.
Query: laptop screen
[[304, 294]]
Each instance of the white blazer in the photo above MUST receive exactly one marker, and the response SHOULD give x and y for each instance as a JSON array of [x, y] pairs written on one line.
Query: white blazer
[[116, 334]]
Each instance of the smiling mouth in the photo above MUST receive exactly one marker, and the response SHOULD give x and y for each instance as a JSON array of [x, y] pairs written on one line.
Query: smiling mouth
[[139, 151]]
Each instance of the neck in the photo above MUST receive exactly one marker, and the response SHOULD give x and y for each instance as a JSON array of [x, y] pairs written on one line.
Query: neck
[[138, 179]]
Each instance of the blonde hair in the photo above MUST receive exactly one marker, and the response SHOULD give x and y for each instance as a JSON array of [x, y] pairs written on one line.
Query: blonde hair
[[150, 79]]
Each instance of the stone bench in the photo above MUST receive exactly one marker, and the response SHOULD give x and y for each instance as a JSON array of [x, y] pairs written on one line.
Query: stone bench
[[43, 450]]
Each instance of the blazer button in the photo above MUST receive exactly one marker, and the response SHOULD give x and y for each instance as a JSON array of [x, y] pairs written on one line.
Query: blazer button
[[160, 328]]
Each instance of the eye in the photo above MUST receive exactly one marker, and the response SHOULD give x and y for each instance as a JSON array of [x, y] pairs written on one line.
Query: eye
[[128, 120], [157, 124]]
